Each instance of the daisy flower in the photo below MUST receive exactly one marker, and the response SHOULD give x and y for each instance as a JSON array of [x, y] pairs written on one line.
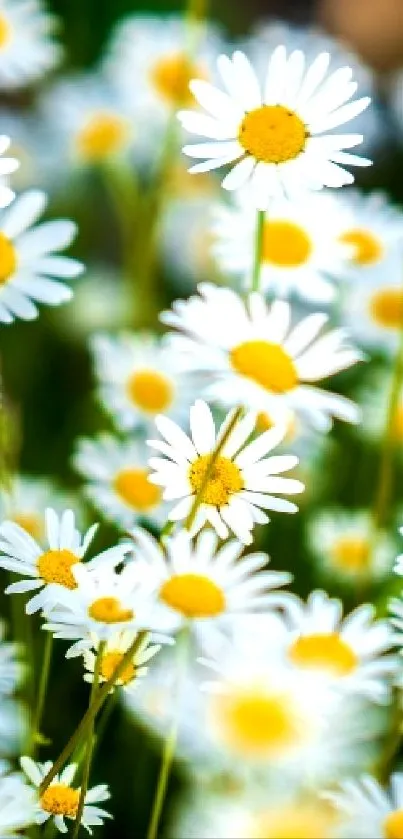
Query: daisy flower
[[29, 258], [277, 134], [299, 253], [117, 475], [251, 353], [27, 46], [243, 483], [138, 379], [17, 805], [115, 648], [50, 570], [7, 166], [26, 502], [372, 228], [203, 583], [367, 809], [60, 799], [342, 542]]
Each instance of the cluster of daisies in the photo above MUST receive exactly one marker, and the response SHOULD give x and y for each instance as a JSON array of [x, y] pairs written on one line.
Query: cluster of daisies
[[286, 710]]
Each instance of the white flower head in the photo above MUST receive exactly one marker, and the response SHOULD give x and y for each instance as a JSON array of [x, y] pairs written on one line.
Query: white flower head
[[27, 46], [115, 648], [254, 356], [367, 809], [7, 166], [372, 228], [60, 799], [17, 805], [277, 134], [243, 481], [31, 267]]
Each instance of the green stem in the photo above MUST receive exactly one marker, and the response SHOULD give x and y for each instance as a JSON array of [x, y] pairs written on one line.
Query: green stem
[[43, 684], [257, 255], [386, 468], [92, 711]]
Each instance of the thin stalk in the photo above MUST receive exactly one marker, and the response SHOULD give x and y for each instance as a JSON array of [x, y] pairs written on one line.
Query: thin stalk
[[257, 255], [386, 468], [43, 684], [92, 711]]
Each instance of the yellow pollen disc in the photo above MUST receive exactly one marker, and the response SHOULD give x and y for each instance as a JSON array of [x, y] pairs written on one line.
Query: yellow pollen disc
[[352, 553], [368, 249], [109, 610], [55, 567], [136, 490], [193, 595], [285, 244], [5, 31], [171, 76], [33, 524], [224, 480], [386, 308], [324, 651], [266, 364], [398, 423], [104, 134], [296, 822], [109, 663], [8, 259], [273, 134], [393, 825], [150, 391], [60, 800]]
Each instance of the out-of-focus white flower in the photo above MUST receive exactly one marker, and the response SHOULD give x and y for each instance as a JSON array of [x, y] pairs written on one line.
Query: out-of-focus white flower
[[27, 46], [17, 805], [60, 799], [243, 481], [7, 166], [254, 357], [188, 258], [29, 146], [372, 228], [115, 648], [31, 267], [101, 302], [367, 809], [27, 500], [10, 668]]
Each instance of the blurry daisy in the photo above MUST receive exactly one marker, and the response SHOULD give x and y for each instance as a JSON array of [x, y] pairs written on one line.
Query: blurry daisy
[[90, 311], [60, 800], [27, 46], [138, 379], [118, 485], [367, 809], [28, 146], [243, 482], [253, 355], [26, 502], [372, 228], [300, 252], [188, 258], [17, 805], [203, 583], [7, 166], [52, 569], [277, 134], [346, 548], [10, 668], [113, 653], [29, 258]]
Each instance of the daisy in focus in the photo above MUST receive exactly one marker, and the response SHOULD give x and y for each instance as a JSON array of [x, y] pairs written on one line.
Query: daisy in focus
[[367, 809], [60, 799], [7, 166], [27, 46], [277, 134], [31, 267], [251, 352], [117, 475], [113, 653], [243, 481], [50, 570], [17, 805]]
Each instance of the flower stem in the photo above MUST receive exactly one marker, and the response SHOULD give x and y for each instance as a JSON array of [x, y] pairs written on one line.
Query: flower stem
[[386, 468], [210, 467], [43, 684], [92, 711], [257, 256]]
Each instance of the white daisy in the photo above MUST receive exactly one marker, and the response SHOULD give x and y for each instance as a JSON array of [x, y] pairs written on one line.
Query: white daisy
[[372, 228], [7, 166], [29, 258], [300, 252], [10, 668], [118, 485], [27, 46], [346, 547], [252, 354], [116, 647], [243, 483], [52, 569], [17, 805], [60, 799], [277, 134], [203, 583], [367, 809], [26, 501], [138, 379]]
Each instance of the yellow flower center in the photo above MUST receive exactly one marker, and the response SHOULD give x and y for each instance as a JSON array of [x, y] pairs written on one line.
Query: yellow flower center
[[171, 75], [398, 422], [264, 423], [5, 31], [150, 391], [285, 244], [273, 134], [109, 610], [386, 308], [30, 522], [393, 825], [136, 490], [193, 595], [8, 259], [305, 821], [352, 553], [255, 722], [224, 479], [368, 249], [60, 800], [55, 567], [110, 661], [102, 135], [266, 364], [324, 651]]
